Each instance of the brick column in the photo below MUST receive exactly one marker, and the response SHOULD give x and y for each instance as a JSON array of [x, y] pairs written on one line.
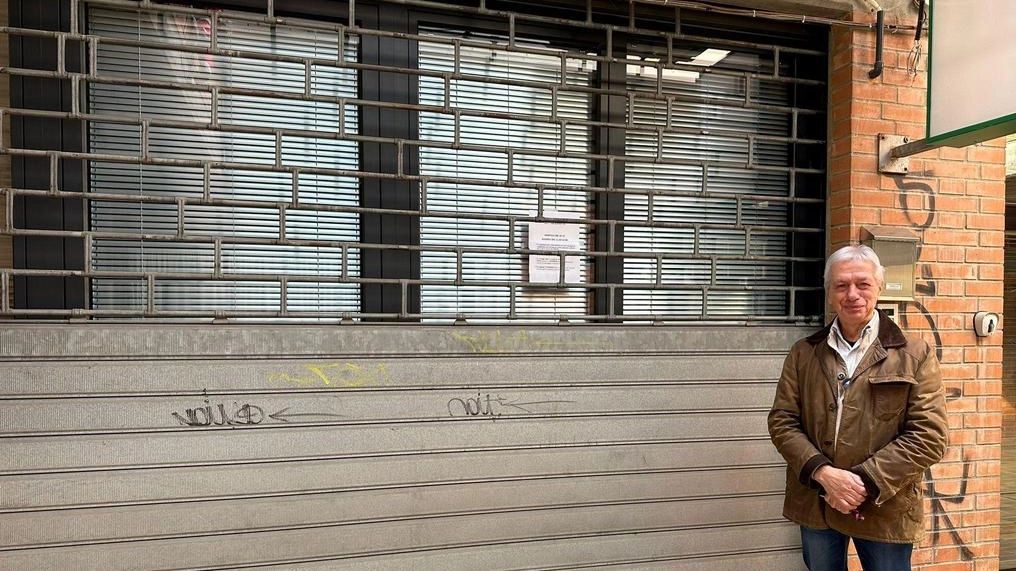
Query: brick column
[[952, 200]]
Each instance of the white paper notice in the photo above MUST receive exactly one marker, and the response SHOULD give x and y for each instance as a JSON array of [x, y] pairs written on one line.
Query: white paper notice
[[554, 237]]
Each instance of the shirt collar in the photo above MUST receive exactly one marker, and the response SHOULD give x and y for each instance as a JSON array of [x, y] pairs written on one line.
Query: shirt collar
[[869, 331]]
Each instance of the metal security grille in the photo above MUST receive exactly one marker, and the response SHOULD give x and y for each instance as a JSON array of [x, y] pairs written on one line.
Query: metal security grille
[[235, 209], [537, 121], [226, 173], [715, 215]]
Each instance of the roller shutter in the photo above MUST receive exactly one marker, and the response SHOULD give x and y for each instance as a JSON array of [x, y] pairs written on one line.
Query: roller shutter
[[431, 448]]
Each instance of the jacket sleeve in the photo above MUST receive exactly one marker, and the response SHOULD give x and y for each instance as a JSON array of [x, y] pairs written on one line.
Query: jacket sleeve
[[786, 425], [922, 438]]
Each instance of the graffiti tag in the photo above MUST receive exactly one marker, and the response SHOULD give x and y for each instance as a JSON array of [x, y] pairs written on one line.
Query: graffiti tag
[[493, 406]]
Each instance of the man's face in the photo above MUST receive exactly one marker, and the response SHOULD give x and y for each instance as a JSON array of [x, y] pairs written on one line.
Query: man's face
[[853, 292]]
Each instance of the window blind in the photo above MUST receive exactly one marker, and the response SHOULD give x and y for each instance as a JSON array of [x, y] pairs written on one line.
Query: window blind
[[712, 203], [535, 128], [147, 229]]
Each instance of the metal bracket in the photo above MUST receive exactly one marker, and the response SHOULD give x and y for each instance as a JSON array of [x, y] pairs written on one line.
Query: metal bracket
[[887, 164]]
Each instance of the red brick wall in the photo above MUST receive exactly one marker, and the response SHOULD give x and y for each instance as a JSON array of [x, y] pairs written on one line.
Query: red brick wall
[[953, 202]]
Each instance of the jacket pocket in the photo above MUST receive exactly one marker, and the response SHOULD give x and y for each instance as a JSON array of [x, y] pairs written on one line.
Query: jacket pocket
[[889, 395]]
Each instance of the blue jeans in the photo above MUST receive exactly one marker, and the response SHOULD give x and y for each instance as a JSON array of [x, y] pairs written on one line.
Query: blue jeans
[[826, 550]]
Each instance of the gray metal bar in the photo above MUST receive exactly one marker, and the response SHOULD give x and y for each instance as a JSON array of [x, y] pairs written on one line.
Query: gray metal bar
[[214, 108], [206, 184], [631, 95], [582, 24], [61, 53], [54, 170], [283, 237], [146, 128], [278, 148], [283, 295], [913, 148], [198, 49], [274, 278], [307, 83], [75, 25], [93, 58], [213, 40], [5, 292], [180, 218], [576, 320], [147, 159], [342, 135], [217, 264], [344, 276], [365, 210], [8, 211], [512, 301], [451, 249], [76, 95], [88, 254]]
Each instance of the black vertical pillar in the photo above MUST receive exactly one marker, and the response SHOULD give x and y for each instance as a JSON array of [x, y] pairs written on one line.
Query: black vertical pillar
[[807, 185], [35, 252], [389, 193], [610, 206]]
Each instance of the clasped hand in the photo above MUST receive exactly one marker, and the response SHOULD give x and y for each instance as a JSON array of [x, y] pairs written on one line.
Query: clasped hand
[[844, 490]]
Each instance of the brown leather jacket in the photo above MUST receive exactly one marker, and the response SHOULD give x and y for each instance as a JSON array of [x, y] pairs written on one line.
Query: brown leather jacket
[[893, 428]]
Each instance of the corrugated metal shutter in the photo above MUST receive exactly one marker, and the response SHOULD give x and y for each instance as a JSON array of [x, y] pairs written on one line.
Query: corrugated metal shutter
[[538, 133], [380, 448], [711, 107], [192, 141]]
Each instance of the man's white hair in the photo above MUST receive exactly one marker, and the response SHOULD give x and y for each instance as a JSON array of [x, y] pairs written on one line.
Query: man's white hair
[[855, 253]]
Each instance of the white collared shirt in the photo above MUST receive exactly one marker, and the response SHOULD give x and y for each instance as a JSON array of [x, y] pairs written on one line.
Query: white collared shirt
[[852, 354]]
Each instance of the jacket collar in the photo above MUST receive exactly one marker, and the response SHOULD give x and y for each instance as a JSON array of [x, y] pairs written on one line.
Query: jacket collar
[[889, 335]]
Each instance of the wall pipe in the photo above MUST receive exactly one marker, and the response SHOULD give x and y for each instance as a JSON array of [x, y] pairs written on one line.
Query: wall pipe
[[879, 36]]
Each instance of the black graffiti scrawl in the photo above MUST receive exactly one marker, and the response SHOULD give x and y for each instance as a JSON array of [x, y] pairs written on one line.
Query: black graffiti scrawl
[[244, 414], [921, 217]]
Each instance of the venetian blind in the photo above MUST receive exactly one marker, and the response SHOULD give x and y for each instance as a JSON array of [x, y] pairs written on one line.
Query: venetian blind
[[530, 128], [145, 230], [709, 238]]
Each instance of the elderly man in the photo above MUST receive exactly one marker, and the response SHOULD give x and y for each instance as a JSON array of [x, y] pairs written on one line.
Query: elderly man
[[859, 415]]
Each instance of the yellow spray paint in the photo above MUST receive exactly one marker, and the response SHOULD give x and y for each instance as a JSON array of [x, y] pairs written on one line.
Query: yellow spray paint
[[345, 375]]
